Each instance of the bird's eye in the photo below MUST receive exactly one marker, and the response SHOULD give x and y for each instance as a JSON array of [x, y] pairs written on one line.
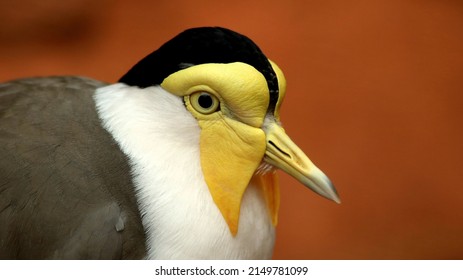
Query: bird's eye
[[204, 103]]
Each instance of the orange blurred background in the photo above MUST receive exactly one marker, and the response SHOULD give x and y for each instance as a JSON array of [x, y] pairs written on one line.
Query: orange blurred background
[[375, 98]]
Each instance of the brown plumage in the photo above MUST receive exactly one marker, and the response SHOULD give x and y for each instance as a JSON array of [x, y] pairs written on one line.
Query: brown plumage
[[60, 196]]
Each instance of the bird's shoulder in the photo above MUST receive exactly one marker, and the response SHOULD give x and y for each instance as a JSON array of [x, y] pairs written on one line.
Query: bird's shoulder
[[65, 186]]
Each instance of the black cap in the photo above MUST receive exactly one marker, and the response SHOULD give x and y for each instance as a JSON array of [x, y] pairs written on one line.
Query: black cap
[[198, 46]]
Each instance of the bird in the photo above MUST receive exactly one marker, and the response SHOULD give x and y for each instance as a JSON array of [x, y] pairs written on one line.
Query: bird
[[175, 160]]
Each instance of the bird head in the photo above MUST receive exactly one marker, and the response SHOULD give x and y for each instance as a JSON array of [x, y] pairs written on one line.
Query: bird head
[[235, 93]]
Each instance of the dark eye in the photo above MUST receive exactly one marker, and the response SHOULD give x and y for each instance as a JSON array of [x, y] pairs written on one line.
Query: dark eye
[[204, 103]]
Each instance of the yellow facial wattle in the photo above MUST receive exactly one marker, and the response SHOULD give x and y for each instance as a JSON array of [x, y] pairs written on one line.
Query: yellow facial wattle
[[232, 142], [238, 133]]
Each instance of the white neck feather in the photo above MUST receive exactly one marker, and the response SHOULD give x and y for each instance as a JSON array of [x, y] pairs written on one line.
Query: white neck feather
[[161, 139]]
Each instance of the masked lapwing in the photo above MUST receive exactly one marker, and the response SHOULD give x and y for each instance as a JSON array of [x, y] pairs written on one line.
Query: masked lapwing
[[175, 161]]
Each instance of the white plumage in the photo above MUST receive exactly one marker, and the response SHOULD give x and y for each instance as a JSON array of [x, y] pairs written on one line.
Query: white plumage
[[161, 139]]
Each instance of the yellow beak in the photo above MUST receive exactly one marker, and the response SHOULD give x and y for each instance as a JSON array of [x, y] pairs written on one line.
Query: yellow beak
[[282, 153]]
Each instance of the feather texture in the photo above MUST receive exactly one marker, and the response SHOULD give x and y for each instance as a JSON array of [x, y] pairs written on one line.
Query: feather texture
[[161, 139], [65, 192]]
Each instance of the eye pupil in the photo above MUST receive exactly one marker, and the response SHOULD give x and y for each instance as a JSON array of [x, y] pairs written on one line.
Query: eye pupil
[[205, 101]]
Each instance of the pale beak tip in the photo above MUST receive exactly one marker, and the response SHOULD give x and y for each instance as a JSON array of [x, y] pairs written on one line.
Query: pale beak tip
[[331, 194], [336, 199], [321, 184]]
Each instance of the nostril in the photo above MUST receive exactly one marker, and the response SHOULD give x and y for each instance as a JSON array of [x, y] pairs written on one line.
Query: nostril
[[280, 150]]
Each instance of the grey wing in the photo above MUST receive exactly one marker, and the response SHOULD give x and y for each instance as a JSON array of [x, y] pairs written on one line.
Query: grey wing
[[65, 192]]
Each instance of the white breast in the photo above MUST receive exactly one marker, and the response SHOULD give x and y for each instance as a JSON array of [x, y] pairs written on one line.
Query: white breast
[[161, 139]]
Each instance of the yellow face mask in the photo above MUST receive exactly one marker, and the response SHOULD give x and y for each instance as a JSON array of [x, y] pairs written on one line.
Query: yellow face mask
[[230, 102]]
